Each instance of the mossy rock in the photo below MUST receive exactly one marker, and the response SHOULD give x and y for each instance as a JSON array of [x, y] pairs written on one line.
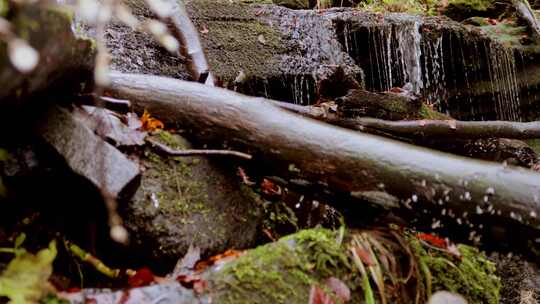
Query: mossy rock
[[463, 9], [472, 275], [185, 201], [285, 271]]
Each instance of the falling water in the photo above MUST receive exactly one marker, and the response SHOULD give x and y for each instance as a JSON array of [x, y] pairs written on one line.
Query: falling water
[[503, 79], [437, 65], [435, 76]]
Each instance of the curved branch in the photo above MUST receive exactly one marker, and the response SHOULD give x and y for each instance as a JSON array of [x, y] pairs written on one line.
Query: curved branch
[[192, 49], [453, 128]]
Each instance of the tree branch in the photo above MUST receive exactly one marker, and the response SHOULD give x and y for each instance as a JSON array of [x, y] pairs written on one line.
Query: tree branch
[[302, 151]]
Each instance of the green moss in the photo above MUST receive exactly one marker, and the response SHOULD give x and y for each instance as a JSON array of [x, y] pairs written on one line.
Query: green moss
[[534, 144], [426, 112], [4, 8], [472, 275], [231, 30], [283, 272]]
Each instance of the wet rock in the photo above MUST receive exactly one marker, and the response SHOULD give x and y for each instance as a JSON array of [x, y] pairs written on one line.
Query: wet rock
[[280, 53], [185, 201], [79, 146], [520, 279], [445, 297], [165, 293], [511, 151], [461, 70]]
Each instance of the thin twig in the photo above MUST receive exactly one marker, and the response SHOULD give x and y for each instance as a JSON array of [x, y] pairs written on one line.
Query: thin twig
[[193, 152]]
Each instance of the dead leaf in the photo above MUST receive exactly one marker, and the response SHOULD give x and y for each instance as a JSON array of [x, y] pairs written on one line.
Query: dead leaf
[[318, 296], [149, 123], [225, 257], [111, 126], [339, 288], [269, 188], [142, 277], [432, 240]]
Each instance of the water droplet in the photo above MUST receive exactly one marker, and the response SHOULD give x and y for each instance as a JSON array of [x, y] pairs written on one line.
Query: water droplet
[[479, 210]]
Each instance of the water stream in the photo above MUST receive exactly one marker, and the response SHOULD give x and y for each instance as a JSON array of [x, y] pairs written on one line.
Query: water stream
[[451, 69]]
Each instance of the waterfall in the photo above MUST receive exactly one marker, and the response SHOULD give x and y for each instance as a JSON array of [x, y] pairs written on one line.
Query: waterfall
[[504, 84], [444, 67]]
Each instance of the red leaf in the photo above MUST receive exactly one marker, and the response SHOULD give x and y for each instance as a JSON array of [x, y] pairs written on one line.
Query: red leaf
[[339, 288], [142, 277], [318, 296], [270, 188], [432, 239], [365, 256]]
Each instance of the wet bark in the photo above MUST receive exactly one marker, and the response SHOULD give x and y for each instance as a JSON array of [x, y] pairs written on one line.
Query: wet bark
[[445, 128], [524, 11], [308, 152]]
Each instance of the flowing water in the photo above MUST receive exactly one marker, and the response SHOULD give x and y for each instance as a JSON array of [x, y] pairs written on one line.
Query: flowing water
[[447, 70]]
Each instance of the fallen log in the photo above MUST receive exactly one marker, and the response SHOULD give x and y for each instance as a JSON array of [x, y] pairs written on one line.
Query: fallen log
[[308, 152], [446, 128]]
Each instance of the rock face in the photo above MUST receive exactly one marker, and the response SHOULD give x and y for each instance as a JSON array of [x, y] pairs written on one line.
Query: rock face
[[185, 201], [272, 51], [463, 70]]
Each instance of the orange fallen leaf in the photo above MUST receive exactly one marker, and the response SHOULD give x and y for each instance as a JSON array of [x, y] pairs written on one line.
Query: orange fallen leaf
[[149, 123], [228, 255]]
